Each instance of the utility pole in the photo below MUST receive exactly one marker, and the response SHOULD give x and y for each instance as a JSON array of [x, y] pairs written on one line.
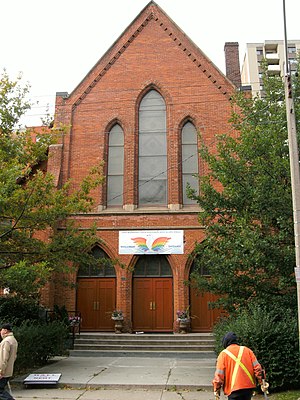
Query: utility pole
[[294, 162]]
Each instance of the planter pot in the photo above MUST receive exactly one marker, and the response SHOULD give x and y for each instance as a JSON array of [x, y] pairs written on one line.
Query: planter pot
[[118, 325], [184, 325]]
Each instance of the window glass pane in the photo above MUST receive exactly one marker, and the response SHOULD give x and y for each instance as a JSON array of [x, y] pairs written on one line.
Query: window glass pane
[[189, 154], [114, 190], [153, 192], [116, 136], [153, 144], [106, 267], [153, 168], [152, 185], [194, 184], [115, 160], [152, 121], [189, 159], [152, 265], [152, 99], [189, 134], [165, 269], [115, 166]]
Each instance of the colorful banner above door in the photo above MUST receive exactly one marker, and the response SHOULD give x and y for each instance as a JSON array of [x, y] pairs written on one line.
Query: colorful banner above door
[[151, 242]]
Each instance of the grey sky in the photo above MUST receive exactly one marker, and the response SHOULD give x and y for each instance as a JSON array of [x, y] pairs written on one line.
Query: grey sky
[[55, 43]]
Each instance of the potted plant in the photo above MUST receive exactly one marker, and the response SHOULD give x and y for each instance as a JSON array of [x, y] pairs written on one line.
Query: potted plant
[[184, 319], [74, 320], [118, 317]]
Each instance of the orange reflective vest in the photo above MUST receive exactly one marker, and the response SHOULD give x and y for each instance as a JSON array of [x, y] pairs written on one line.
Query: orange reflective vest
[[237, 368]]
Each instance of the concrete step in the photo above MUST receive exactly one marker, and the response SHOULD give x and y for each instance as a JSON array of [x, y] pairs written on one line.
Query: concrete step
[[154, 343], [142, 337], [89, 344], [145, 347]]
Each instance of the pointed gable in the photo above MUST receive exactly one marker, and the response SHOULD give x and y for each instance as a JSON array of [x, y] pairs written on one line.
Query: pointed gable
[[152, 18]]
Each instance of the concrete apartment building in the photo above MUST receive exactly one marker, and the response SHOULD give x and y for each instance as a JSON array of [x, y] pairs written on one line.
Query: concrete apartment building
[[271, 50]]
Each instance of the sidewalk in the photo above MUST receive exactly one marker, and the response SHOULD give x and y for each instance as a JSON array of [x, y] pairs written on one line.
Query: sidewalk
[[124, 378]]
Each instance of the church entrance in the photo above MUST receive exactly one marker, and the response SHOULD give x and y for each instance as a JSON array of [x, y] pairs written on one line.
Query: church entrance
[[152, 295], [96, 294]]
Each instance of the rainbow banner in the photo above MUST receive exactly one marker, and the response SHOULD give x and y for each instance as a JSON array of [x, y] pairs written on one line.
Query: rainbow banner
[[151, 242]]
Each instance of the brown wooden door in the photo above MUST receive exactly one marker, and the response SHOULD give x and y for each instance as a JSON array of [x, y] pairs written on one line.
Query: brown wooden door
[[203, 317], [152, 304], [96, 300]]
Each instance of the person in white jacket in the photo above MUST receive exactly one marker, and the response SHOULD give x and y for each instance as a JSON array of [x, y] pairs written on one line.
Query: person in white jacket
[[8, 355]]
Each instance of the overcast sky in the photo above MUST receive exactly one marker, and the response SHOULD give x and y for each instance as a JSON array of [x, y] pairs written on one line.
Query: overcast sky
[[55, 43]]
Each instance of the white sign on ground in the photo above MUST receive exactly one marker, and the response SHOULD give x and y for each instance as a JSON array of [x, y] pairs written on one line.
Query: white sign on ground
[[42, 379]]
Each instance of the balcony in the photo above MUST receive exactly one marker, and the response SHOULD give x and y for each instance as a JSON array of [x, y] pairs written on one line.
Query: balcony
[[274, 69], [272, 58]]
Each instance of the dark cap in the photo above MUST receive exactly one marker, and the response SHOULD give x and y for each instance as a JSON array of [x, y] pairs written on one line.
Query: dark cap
[[7, 326], [229, 338]]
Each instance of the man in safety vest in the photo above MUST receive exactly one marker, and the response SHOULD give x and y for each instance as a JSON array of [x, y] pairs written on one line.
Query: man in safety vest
[[236, 371]]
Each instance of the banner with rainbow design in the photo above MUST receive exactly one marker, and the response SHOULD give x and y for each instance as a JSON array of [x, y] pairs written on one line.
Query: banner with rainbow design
[[151, 242]]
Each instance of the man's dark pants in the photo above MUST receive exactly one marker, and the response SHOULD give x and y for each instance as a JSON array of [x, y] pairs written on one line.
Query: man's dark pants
[[243, 394], [4, 395]]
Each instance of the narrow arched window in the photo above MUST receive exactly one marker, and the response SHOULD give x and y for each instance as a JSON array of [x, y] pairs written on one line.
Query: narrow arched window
[[115, 168], [152, 182], [189, 161]]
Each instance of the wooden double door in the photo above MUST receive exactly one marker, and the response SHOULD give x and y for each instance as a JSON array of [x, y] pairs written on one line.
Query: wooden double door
[[96, 301], [152, 304]]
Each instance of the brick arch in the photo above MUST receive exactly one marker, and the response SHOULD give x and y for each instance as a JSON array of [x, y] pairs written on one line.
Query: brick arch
[[154, 85], [186, 116], [104, 248]]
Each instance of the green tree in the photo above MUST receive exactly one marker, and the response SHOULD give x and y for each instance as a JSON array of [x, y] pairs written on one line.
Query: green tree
[[31, 205], [246, 204]]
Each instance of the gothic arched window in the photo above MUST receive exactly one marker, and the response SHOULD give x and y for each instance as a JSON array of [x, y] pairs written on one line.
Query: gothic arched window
[[152, 182], [189, 153], [115, 168]]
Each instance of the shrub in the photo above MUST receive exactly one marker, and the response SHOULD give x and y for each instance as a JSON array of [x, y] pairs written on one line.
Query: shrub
[[16, 310], [273, 336], [39, 342]]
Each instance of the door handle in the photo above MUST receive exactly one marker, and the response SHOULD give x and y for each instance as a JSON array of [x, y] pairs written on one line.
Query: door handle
[[94, 306], [154, 306], [98, 305], [151, 305]]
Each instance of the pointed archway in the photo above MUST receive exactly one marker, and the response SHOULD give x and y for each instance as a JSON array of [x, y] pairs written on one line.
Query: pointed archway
[[152, 304]]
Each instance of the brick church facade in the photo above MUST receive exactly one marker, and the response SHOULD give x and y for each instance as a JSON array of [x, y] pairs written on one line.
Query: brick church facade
[[140, 110]]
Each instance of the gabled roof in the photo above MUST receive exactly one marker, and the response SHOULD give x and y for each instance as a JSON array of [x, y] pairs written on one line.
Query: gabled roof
[[168, 27]]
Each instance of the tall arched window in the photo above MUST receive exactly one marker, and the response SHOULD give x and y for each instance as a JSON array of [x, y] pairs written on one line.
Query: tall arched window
[[189, 161], [115, 168], [152, 150]]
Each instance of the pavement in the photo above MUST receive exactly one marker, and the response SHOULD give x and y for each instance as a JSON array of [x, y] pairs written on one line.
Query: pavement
[[159, 377]]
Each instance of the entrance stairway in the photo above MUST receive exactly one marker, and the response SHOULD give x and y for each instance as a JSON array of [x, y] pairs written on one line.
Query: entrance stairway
[[126, 344]]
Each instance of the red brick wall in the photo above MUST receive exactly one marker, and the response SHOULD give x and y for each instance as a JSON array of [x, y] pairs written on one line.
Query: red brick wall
[[152, 53]]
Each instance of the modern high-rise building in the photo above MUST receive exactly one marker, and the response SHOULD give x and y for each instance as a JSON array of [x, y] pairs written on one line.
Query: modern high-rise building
[[273, 52]]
